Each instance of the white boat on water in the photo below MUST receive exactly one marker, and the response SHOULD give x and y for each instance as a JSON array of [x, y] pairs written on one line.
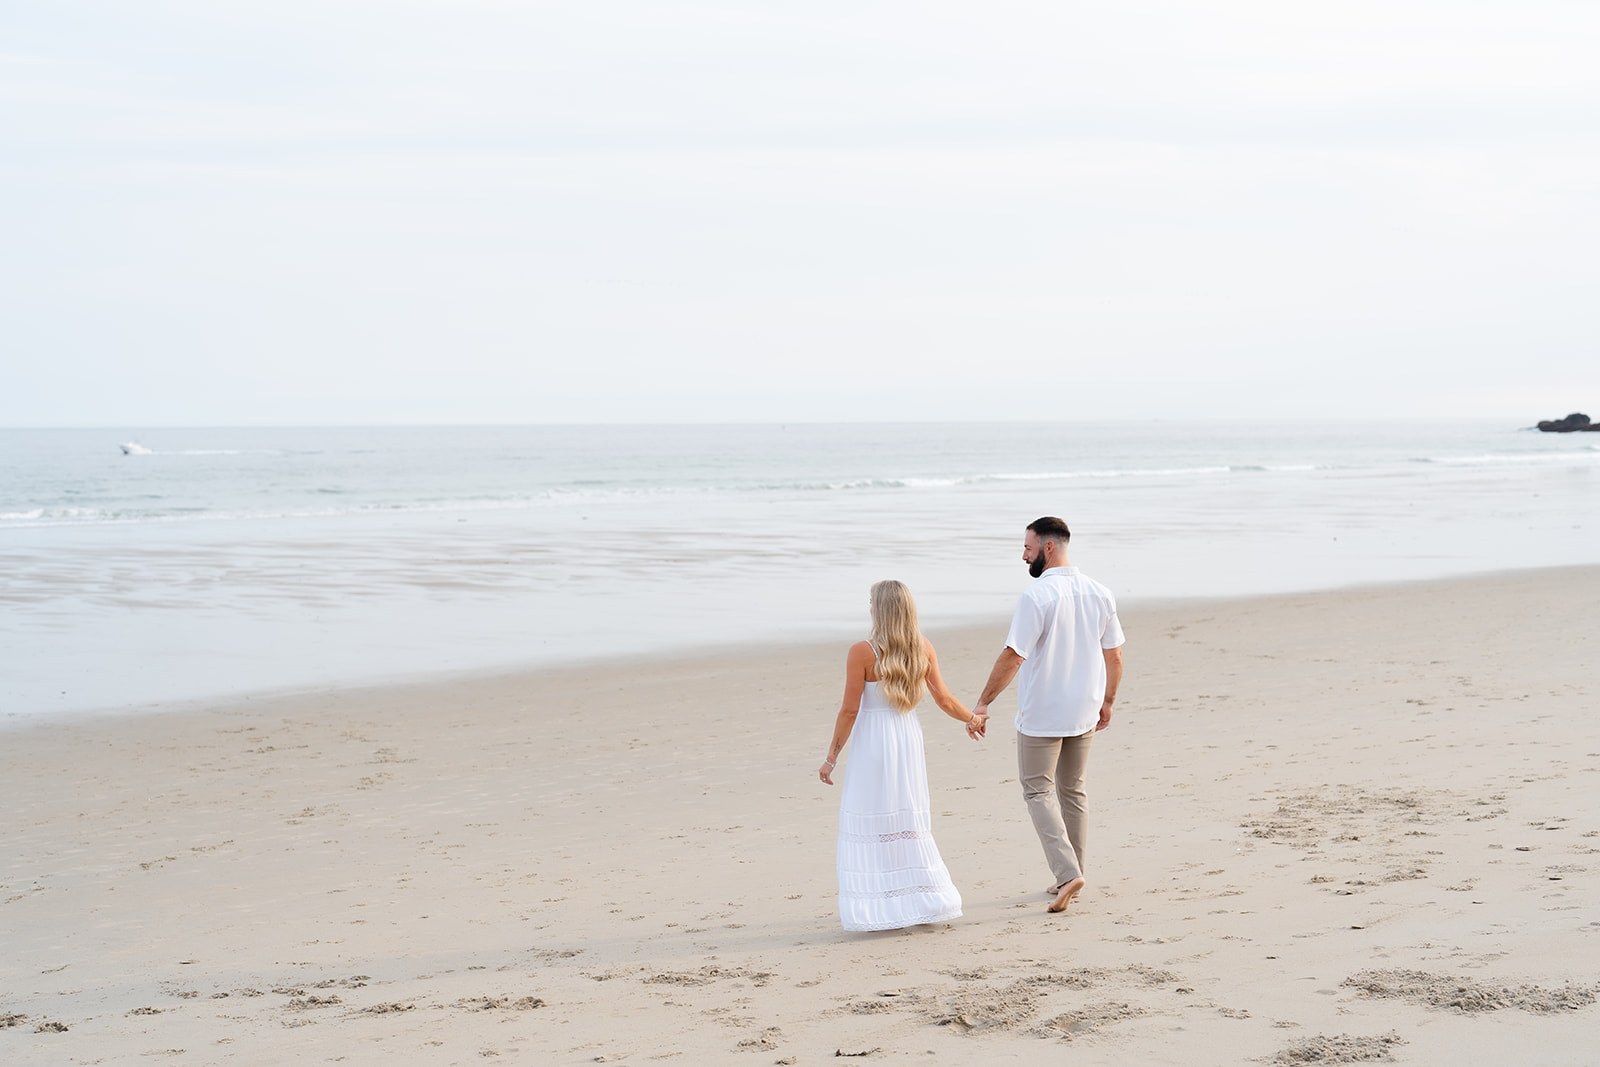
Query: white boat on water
[[134, 448]]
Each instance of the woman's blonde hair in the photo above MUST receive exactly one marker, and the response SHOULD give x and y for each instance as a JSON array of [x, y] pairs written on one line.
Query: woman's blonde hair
[[902, 654]]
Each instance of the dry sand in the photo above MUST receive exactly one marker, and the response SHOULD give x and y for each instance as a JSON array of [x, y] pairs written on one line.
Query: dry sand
[[1327, 828]]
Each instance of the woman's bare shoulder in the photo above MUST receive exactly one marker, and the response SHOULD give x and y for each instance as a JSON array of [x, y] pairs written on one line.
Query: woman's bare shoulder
[[860, 662]]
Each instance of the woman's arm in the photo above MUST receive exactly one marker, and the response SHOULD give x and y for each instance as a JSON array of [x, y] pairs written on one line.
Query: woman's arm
[[946, 700], [855, 680]]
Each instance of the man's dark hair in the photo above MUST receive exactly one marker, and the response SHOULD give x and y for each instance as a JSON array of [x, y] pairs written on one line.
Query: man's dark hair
[[1051, 528]]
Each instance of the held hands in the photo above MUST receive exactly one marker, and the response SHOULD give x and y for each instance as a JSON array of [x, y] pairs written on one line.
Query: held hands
[[979, 722]]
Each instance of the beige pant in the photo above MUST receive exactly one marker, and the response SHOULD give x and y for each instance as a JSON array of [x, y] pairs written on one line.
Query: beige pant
[[1052, 773]]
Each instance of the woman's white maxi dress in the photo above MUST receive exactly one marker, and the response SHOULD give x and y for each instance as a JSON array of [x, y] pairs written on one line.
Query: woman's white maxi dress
[[890, 873]]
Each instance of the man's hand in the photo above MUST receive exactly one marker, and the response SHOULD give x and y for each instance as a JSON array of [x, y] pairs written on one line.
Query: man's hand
[[1105, 717], [979, 723], [1113, 679]]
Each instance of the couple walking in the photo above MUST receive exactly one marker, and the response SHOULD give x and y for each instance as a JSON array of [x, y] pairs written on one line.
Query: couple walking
[[1066, 644]]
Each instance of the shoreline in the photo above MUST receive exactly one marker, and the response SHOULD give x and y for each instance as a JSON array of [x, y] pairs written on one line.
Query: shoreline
[[531, 673], [1315, 815], [430, 567]]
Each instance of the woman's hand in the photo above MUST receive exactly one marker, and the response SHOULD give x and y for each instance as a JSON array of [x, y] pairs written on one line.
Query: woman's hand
[[979, 723], [825, 772]]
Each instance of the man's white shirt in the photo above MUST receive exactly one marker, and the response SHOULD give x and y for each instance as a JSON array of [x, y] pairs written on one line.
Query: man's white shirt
[[1061, 624]]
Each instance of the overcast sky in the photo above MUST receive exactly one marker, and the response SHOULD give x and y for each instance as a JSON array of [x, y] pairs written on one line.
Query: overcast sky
[[330, 211]]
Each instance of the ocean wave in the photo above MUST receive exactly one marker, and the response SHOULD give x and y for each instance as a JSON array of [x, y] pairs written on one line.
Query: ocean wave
[[134, 448], [55, 517], [43, 516], [934, 482], [577, 493], [846, 484], [1113, 472], [345, 496], [1584, 456]]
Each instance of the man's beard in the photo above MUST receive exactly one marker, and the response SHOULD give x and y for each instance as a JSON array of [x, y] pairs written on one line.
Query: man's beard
[[1036, 568]]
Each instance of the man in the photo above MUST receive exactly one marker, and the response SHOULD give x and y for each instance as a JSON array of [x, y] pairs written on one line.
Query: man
[[1067, 642]]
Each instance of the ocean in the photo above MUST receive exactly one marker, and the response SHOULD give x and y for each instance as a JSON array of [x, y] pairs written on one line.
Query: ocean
[[142, 569]]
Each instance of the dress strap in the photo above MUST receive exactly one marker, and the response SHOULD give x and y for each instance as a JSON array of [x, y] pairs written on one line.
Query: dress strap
[[874, 649]]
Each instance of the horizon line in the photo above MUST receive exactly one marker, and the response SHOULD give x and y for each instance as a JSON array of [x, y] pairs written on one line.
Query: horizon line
[[444, 425]]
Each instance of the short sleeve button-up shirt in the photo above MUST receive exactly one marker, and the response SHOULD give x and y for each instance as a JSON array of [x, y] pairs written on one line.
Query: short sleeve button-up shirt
[[1061, 624]]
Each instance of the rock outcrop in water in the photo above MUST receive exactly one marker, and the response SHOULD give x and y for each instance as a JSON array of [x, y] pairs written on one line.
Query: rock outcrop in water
[[1576, 422]]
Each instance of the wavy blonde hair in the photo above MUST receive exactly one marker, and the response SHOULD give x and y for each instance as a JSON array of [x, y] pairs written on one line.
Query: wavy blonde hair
[[902, 653]]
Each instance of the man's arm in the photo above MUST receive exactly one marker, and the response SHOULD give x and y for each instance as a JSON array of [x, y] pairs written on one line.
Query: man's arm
[[1005, 669], [1113, 678]]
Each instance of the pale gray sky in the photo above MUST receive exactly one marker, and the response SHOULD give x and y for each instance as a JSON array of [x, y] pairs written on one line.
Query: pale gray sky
[[332, 211]]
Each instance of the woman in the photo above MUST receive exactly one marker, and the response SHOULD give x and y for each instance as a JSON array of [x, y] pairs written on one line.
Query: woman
[[890, 873]]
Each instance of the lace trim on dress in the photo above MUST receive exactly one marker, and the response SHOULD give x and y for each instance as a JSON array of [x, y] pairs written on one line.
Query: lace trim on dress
[[898, 835], [904, 891], [901, 924]]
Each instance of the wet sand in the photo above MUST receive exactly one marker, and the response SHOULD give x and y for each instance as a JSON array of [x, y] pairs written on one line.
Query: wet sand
[[1327, 827]]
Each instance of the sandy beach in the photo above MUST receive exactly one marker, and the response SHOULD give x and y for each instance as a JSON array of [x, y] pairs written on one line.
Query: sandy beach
[[1327, 827]]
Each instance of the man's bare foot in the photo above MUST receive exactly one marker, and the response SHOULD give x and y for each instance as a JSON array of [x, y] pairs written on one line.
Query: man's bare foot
[[1065, 894]]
